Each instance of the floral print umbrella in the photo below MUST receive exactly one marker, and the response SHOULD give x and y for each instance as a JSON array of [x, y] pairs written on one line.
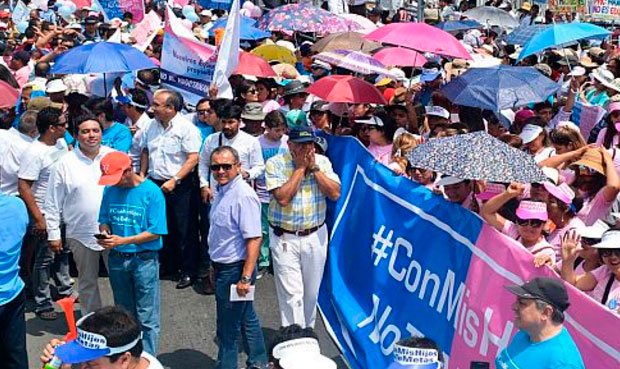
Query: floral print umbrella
[[305, 18]]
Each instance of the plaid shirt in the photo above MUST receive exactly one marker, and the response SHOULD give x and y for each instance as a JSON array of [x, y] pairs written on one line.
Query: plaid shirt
[[307, 207]]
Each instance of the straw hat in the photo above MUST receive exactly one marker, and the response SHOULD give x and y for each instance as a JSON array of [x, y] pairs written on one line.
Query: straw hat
[[604, 76], [615, 85], [526, 6], [587, 62], [455, 68], [592, 159]]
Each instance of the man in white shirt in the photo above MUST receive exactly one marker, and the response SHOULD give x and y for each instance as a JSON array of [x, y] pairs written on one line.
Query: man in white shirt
[[17, 141], [170, 146], [134, 105], [248, 147], [37, 164], [74, 192]]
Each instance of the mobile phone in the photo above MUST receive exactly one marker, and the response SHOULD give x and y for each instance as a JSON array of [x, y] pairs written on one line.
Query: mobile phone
[[479, 365], [101, 236]]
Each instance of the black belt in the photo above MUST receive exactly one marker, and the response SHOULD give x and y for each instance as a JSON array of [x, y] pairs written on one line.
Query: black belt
[[128, 255], [279, 231]]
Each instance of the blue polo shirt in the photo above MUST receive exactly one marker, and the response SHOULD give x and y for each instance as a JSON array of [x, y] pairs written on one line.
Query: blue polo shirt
[[118, 137], [13, 224], [131, 211]]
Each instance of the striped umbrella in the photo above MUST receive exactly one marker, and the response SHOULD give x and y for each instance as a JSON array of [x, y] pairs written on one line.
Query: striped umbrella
[[355, 61]]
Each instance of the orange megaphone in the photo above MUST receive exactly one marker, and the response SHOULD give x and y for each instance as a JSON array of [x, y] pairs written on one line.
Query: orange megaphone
[[67, 304]]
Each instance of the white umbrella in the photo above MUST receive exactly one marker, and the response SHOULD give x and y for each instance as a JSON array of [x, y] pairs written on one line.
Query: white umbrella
[[490, 15], [366, 24]]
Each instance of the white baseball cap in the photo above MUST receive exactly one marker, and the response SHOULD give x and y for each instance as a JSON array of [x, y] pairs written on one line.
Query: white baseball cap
[[437, 111], [530, 132]]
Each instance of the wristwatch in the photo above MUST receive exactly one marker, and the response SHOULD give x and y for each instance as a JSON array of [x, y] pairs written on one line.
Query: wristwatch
[[246, 279], [177, 180]]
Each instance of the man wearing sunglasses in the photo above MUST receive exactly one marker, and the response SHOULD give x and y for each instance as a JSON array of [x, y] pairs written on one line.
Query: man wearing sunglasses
[[234, 242], [542, 340]]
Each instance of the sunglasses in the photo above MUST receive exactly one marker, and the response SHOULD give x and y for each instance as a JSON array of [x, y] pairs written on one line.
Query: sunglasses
[[419, 170], [218, 167], [529, 222], [367, 127], [605, 253]]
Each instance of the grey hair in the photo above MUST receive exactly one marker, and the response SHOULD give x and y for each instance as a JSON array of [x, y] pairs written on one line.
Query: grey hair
[[229, 149], [28, 122], [557, 316], [173, 99]]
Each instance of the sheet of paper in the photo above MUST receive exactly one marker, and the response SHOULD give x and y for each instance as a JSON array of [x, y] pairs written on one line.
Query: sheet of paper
[[234, 296]]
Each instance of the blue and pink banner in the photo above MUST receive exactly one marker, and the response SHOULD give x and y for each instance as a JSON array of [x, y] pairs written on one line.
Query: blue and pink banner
[[403, 261], [116, 8]]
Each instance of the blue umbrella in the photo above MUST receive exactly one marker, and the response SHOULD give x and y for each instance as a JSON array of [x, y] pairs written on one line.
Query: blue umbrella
[[560, 35], [500, 87], [522, 34], [101, 57], [457, 26], [248, 29]]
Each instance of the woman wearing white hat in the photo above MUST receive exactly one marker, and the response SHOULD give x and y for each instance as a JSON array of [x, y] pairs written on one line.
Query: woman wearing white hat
[[603, 282], [602, 80]]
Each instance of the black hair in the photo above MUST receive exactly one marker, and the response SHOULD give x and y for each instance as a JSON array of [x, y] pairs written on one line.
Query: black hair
[[275, 119], [229, 111], [139, 97], [46, 118], [118, 327], [98, 105], [83, 118], [389, 124], [422, 342], [542, 105], [7, 76], [289, 333], [41, 69]]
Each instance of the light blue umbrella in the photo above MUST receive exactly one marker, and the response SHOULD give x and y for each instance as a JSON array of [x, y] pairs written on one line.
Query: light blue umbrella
[[522, 34], [249, 31], [560, 35], [101, 57], [498, 88], [460, 25]]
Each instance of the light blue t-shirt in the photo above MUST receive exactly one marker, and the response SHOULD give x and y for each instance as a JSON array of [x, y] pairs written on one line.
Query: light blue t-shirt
[[131, 211], [559, 352], [13, 224], [117, 136]]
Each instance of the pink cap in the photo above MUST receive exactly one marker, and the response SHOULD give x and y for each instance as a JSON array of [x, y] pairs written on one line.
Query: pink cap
[[613, 106], [524, 114], [563, 192], [491, 190], [532, 210]]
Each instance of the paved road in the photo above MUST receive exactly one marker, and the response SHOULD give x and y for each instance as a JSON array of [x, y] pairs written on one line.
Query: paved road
[[188, 326]]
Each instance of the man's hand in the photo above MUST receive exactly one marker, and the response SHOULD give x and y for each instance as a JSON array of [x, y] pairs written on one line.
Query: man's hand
[[245, 175], [48, 352], [243, 288], [40, 228], [169, 185], [112, 241], [206, 194], [299, 158], [55, 245]]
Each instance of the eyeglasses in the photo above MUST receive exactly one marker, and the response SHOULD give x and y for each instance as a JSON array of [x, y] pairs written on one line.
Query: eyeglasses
[[605, 253], [529, 222], [218, 167]]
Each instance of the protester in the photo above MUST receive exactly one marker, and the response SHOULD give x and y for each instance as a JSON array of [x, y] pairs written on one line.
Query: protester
[[38, 162], [294, 346], [73, 191], [295, 179], [542, 340], [108, 338], [170, 146], [420, 350], [115, 135], [132, 219], [13, 225], [17, 141], [234, 245]]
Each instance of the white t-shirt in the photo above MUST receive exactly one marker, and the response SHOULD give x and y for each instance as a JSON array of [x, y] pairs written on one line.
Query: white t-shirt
[[15, 144], [37, 163]]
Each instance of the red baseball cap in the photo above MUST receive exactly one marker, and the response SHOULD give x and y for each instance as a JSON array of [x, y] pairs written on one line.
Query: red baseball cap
[[112, 167]]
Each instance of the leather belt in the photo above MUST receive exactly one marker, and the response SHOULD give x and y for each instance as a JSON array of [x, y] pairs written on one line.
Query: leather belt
[[279, 231]]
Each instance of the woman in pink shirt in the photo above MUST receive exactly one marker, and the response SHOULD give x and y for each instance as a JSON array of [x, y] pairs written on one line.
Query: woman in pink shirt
[[562, 210], [381, 128], [603, 282], [531, 217], [610, 135]]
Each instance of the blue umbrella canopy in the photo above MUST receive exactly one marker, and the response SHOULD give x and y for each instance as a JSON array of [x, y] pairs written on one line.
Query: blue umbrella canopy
[[457, 26], [560, 35], [478, 156], [249, 31], [522, 34], [499, 88], [101, 57]]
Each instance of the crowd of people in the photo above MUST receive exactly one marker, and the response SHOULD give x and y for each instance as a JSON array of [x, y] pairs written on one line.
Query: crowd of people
[[218, 193]]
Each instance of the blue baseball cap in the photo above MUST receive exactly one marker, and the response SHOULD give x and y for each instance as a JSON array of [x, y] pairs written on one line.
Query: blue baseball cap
[[89, 346], [430, 74], [301, 134], [415, 358]]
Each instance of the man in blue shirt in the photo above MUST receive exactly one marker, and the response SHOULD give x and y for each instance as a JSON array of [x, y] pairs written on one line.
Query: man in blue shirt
[[234, 243], [542, 341], [13, 224], [115, 135], [132, 219]]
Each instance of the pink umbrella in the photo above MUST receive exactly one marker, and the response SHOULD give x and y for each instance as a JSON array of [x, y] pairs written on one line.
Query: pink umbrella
[[346, 89], [421, 37], [8, 95], [253, 65], [400, 57]]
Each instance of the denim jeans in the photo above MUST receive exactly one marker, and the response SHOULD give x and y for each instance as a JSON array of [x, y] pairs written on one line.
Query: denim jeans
[[234, 318], [13, 353], [134, 278], [46, 265]]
